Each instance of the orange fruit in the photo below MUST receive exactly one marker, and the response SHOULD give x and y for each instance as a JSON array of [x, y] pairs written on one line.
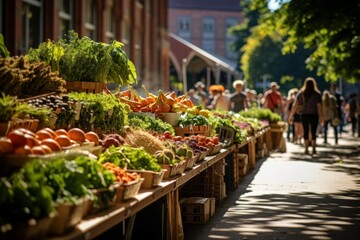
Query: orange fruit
[[31, 141], [6, 146], [77, 134], [61, 132], [51, 143], [38, 150], [27, 131], [23, 150], [43, 134], [92, 137], [46, 148], [49, 130], [17, 138], [63, 140]]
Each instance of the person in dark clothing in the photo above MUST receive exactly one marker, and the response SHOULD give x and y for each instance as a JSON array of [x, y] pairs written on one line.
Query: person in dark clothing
[[310, 98], [238, 99], [353, 108], [339, 102]]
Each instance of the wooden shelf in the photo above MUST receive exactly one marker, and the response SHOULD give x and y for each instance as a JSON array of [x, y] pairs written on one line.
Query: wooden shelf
[[96, 224]]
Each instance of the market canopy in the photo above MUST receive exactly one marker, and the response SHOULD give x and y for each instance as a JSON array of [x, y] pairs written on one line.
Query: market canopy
[[183, 49]]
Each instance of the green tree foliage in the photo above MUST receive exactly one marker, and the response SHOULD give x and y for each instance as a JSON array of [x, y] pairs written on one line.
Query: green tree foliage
[[331, 30]]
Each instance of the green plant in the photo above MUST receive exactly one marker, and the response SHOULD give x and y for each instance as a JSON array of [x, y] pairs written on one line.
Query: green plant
[[82, 59], [8, 107]]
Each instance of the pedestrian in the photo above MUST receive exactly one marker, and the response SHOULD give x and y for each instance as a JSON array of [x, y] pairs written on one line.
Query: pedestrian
[[200, 91], [339, 102], [192, 95], [288, 105], [238, 99], [353, 109], [273, 99], [330, 113], [308, 100], [220, 101], [299, 132]]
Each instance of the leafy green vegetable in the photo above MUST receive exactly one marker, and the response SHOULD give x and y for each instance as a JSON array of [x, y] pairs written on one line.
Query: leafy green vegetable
[[262, 114], [191, 119], [3, 50], [216, 122], [82, 59], [130, 158], [100, 111], [144, 122]]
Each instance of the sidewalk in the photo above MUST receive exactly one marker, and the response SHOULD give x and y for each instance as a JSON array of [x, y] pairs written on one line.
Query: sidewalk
[[293, 196]]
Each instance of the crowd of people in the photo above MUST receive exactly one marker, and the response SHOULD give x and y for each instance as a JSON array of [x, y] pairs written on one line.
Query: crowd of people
[[308, 111]]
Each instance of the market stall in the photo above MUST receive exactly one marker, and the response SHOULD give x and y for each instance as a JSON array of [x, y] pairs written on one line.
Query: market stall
[[78, 160]]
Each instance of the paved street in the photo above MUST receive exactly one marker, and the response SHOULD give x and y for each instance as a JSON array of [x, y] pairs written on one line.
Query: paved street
[[293, 196]]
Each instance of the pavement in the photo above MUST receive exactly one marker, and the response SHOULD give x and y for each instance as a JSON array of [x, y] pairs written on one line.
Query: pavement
[[293, 196]]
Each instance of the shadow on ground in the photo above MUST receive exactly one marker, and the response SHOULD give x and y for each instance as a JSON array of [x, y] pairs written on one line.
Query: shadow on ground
[[301, 216]]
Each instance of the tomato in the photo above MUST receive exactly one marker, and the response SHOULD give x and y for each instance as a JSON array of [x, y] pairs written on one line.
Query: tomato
[[216, 140], [167, 134]]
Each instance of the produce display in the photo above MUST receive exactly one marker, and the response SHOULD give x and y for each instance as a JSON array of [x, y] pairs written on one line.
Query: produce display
[[82, 59], [162, 103], [19, 77], [45, 141], [131, 138]]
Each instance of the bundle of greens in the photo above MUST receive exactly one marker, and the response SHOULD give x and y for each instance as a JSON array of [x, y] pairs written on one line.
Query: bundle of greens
[[34, 191], [142, 121], [261, 114], [82, 59], [100, 111], [130, 158], [216, 122]]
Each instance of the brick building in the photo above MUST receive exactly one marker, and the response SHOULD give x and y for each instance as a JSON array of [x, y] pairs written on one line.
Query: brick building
[[205, 23], [140, 24]]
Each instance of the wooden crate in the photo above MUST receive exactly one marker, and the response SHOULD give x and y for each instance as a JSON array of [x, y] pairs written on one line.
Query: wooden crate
[[88, 87], [195, 210], [193, 130], [243, 164]]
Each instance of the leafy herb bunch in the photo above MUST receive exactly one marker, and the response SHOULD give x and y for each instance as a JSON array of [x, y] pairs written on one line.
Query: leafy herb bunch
[[82, 59]]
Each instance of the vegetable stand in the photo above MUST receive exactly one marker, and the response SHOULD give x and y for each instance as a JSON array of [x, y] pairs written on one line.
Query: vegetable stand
[[98, 223]]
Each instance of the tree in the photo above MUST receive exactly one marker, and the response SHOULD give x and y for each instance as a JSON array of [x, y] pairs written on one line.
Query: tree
[[330, 29]]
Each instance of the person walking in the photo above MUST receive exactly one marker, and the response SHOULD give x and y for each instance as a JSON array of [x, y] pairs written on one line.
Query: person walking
[[273, 99], [339, 102], [308, 103], [200, 91], [238, 100], [353, 109], [220, 101], [330, 113], [288, 105]]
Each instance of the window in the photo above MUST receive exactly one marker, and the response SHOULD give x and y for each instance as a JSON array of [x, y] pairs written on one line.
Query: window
[[91, 19], [208, 34], [65, 15], [32, 20], [184, 25], [229, 38], [110, 28]]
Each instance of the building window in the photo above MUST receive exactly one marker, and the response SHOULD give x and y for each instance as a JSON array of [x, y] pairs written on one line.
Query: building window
[[91, 19], [184, 24], [65, 15], [208, 34], [32, 20], [110, 28], [229, 38]]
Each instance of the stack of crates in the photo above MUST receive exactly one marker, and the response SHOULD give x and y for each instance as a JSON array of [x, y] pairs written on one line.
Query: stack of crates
[[209, 183], [195, 210], [243, 164]]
